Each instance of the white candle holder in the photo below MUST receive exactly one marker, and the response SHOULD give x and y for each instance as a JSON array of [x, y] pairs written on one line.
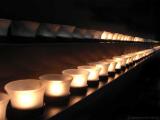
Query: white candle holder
[[93, 76], [26, 98], [103, 66], [4, 99], [112, 66], [79, 82], [65, 31], [57, 87], [119, 64]]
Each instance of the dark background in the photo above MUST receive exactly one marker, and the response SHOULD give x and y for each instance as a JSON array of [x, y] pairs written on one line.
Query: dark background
[[133, 17]]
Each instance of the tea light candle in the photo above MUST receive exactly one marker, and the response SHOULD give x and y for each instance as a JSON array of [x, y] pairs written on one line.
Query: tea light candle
[[124, 60], [128, 59], [103, 66], [57, 85], [112, 65], [79, 77], [104, 35], [115, 36], [119, 62], [93, 72], [110, 36], [119, 36], [4, 99], [122, 37], [26, 94]]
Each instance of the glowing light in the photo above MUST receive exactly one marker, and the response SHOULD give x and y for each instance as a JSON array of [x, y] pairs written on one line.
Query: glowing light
[[26, 94], [56, 84], [79, 77]]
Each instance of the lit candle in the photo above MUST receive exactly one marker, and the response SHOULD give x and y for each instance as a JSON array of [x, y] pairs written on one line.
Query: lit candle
[[26, 94], [112, 65], [4, 99], [79, 77], [128, 59], [122, 37], [103, 66], [110, 36], [119, 36], [104, 35], [115, 36], [124, 60], [119, 61], [57, 85], [93, 72]]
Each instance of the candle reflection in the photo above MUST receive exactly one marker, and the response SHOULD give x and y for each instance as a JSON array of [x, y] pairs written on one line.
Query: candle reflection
[[52, 111], [110, 79], [101, 84], [75, 99], [90, 91]]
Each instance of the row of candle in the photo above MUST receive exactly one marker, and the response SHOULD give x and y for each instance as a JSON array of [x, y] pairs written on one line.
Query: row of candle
[[53, 30], [121, 37], [29, 93]]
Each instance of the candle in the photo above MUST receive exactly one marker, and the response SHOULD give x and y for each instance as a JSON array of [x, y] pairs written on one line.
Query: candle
[[26, 94], [79, 77], [48, 30], [65, 31], [122, 37], [119, 36], [124, 60], [110, 36], [57, 85], [112, 65], [104, 35], [4, 25], [119, 62], [93, 72], [128, 59], [103, 66], [25, 28], [115, 36], [97, 35], [4, 99]]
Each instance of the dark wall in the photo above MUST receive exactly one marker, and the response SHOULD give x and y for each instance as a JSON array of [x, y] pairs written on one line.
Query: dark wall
[[134, 17]]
